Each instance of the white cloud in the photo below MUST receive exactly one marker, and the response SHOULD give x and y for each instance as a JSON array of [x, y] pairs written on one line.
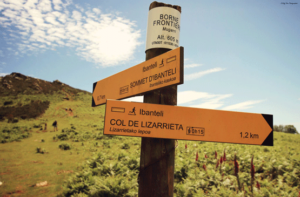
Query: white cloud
[[105, 39], [204, 100], [97, 11], [44, 6], [213, 103], [3, 74], [299, 99], [76, 15], [210, 101], [192, 65], [57, 4], [201, 73], [207, 100], [243, 105], [52, 20], [188, 96]]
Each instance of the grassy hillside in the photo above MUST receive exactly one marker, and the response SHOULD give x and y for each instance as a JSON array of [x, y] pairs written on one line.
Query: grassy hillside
[[21, 165], [78, 160]]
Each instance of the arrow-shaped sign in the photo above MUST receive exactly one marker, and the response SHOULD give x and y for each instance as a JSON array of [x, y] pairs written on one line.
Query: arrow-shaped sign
[[158, 72], [185, 123]]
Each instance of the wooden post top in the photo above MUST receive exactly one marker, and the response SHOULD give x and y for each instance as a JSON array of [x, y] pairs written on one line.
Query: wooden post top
[[156, 4]]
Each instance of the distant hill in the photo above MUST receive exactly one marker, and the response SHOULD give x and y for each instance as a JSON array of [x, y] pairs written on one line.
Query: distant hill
[[17, 83], [27, 97]]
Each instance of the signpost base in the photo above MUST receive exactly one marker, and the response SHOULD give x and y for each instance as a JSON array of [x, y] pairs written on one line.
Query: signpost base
[[157, 167], [158, 155]]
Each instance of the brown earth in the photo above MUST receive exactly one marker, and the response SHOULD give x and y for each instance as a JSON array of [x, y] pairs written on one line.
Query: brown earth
[[31, 110], [64, 171], [69, 111], [17, 84]]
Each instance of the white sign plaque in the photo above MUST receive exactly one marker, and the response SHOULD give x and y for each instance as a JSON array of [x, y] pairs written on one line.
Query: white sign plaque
[[163, 28]]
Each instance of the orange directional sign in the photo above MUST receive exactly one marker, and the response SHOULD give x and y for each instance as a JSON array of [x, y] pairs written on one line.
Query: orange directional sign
[[185, 123], [158, 72]]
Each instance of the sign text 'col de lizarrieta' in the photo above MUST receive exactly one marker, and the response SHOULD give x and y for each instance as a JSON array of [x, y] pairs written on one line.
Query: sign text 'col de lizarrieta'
[[185, 123]]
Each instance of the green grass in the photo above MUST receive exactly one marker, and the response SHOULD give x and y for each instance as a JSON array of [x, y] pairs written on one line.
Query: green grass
[[277, 169], [22, 167], [108, 165]]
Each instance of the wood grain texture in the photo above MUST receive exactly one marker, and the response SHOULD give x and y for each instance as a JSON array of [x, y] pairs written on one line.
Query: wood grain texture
[[157, 158]]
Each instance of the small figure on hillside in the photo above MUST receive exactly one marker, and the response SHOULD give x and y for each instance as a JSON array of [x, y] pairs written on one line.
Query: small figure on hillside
[[55, 125], [70, 109], [45, 126]]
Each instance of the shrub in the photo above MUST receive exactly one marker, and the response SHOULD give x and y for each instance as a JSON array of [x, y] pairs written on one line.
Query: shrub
[[13, 134], [36, 126], [290, 129], [125, 146], [75, 139], [100, 178], [133, 164], [121, 156], [106, 144], [40, 150], [62, 136], [182, 173], [15, 120], [64, 146], [67, 134]]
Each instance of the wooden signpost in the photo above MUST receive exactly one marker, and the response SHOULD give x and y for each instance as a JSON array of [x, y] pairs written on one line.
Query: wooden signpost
[[186, 123], [157, 160], [160, 121], [161, 71]]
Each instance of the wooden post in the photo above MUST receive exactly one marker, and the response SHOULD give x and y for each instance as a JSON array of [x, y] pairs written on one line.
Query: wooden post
[[157, 158]]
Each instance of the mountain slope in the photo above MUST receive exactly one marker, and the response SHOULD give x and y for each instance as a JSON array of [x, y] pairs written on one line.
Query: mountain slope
[[24, 97], [17, 83]]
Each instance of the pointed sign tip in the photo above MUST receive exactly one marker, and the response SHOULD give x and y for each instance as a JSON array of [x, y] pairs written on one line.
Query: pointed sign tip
[[269, 140], [93, 101], [94, 85], [269, 119]]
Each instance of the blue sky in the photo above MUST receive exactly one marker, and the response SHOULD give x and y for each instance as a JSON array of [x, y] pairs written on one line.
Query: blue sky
[[239, 55]]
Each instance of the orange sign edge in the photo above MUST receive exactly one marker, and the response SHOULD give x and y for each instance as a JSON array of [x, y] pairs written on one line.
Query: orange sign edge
[[269, 141], [141, 94]]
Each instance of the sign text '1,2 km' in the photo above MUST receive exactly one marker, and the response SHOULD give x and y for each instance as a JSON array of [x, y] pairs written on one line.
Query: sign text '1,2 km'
[[158, 72], [185, 123]]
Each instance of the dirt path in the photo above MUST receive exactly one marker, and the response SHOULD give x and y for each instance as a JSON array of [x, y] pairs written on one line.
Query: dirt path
[[69, 111]]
